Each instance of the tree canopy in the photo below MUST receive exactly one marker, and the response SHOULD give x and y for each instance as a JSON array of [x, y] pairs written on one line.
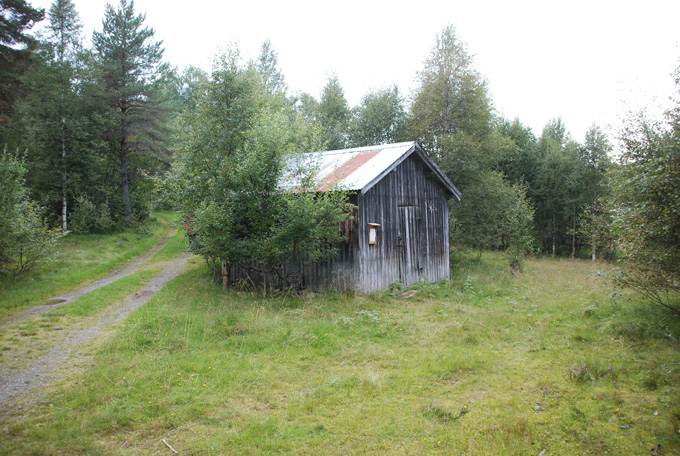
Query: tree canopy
[[16, 18], [232, 152]]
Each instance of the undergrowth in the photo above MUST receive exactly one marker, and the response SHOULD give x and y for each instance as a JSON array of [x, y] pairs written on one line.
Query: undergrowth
[[488, 363]]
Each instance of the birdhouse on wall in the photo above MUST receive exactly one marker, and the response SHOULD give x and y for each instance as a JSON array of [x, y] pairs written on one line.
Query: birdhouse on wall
[[373, 233]]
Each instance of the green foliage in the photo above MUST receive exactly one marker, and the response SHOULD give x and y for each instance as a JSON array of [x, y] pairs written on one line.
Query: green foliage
[[87, 217], [83, 215], [647, 214], [65, 28], [58, 124], [78, 260], [53, 117], [15, 46], [597, 162], [451, 117], [569, 178], [518, 227], [451, 111], [334, 115], [267, 67], [188, 87], [233, 151], [25, 239], [380, 119], [131, 78], [520, 157], [595, 228], [497, 215]]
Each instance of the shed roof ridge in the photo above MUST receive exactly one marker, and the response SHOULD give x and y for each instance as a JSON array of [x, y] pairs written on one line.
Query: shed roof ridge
[[363, 148]]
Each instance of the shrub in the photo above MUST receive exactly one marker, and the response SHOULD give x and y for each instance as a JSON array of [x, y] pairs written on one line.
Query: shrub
[[83, 215], [25, 239], [647, 215], [87, 217]]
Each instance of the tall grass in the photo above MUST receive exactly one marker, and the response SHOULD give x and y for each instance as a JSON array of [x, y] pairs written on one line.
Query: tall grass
[[487, 363]]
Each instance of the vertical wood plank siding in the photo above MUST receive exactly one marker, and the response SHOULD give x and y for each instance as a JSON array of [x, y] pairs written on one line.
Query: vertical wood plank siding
[[413, 238], [411, 207]]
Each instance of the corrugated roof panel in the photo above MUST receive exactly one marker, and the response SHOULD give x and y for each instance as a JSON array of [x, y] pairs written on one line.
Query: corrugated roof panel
[[359, 168], [352, 169]]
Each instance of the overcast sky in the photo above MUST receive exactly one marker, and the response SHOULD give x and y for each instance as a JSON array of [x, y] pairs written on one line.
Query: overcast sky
[[585, 61]]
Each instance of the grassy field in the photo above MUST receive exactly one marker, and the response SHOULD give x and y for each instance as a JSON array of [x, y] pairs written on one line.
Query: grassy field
[[488, 363], [79, 260]]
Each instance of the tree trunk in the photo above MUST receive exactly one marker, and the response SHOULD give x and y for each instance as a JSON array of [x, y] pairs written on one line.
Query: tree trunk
[[594, 247], [554, 241], [64, 221], [225, 275], [573, 235], [127, 208]]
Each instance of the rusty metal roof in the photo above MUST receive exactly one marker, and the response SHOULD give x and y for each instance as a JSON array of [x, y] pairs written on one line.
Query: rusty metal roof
[[362, 167]]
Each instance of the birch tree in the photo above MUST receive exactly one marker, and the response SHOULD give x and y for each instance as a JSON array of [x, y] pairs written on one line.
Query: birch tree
[[65, 28]]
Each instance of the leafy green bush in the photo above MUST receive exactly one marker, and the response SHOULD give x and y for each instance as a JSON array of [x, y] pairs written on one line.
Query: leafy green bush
[[87, 217], [226, 177], [647, 214], [83, 215], [25, 239], [494, 215]]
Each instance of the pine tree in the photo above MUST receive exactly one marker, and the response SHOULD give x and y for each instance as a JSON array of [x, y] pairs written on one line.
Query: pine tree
[[131, 68], [16, 18]]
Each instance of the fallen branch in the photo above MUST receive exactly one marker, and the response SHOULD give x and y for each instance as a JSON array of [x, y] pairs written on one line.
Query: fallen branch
[[168, 445]]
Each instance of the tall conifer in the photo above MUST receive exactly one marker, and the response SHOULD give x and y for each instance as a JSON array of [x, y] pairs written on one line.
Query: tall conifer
[[131, 68]]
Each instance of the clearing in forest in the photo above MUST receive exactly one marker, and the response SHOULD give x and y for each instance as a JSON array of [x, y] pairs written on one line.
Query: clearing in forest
[[488, 363]]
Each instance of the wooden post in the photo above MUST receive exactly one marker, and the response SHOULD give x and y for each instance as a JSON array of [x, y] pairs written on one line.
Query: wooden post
[[225, 274]]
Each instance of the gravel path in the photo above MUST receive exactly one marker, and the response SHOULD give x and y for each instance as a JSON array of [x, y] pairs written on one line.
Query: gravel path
[[61, 300], [41, 373], [44, 371]]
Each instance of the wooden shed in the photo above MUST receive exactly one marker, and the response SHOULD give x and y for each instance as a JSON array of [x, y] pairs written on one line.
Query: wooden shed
[[400, 230]]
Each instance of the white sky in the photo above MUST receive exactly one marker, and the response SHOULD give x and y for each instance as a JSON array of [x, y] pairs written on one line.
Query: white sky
[[587, 61]]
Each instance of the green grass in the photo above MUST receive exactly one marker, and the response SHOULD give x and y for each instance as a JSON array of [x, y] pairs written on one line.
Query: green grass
[[79, 260], [22, 343], [30, 339], [97, 300], [457, 368]]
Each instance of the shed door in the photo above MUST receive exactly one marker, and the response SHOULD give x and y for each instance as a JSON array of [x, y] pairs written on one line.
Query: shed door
[[407, 240]]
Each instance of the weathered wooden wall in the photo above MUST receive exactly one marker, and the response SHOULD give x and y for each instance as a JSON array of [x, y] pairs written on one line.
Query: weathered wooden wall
[[339, 273], [413, 239]]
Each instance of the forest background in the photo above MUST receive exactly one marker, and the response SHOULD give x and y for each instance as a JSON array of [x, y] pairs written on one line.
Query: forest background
[[95, 137]]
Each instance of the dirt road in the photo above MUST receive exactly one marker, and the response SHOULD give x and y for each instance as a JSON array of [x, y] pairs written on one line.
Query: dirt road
[[61, 300], [41, 372]]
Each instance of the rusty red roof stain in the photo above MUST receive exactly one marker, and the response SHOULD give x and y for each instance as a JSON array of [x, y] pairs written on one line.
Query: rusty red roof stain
[[345, 169]]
